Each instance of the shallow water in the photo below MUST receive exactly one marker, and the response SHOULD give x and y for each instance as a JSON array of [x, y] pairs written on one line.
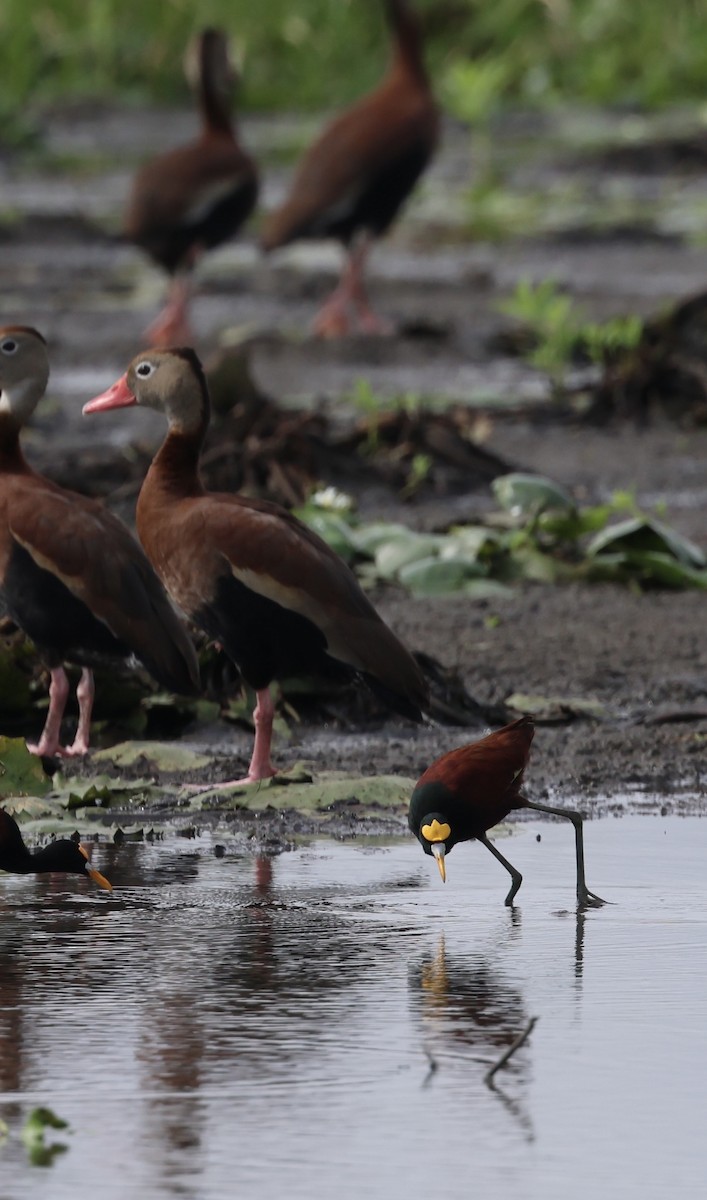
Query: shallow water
[[321, 1024]]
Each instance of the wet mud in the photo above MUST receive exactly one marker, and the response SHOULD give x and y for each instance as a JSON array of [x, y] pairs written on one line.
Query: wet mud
[[618, 237]]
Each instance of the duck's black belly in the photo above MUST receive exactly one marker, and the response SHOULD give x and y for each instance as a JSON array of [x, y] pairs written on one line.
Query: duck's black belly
[[171, 246], [61, 626], [379, 202], [264, 639]]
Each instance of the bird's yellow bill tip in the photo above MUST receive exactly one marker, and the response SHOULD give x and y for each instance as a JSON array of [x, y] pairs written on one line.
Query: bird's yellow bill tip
[[99, 879], [93, 873], [438, 851], [437, 831]]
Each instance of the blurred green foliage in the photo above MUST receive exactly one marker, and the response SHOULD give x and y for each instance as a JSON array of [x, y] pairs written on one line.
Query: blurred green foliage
[[540, 535], [320, 53], [560, 331]]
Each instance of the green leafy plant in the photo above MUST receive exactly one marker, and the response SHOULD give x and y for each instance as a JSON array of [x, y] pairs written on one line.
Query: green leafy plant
[[559, 332], [39, 1152], [539, 534]]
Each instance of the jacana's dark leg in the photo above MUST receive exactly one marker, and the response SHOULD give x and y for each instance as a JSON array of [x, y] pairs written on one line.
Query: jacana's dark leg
[[584, 896], [515, 875], [85, 692], [58, 693]]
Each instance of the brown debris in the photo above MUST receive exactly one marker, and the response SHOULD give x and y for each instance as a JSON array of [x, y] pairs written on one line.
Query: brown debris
[[666, 372]]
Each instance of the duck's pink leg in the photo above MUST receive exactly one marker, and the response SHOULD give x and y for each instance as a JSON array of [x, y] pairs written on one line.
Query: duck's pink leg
[[333, 318], [368, 320], [260, 764], [48, 743], [263, 714], [171, 328], [85, 692]]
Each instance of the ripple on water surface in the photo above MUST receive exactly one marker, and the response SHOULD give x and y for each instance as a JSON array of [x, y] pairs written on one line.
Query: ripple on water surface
[[321, 1023]]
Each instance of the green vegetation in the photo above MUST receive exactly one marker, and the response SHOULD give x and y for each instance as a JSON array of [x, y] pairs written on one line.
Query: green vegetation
[[559, 332], [540, 535], [40, 1152], [318, 53]]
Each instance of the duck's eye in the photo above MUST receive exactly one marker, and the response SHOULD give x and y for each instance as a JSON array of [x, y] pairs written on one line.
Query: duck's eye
[[9, 346], [144, 370]]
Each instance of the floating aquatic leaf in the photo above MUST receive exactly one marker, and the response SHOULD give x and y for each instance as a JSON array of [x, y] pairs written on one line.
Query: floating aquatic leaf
[[367, 795], [651, 566], [333, 529], [163, 756], [531, 563], [551, 709], [647, 533], [471, 541], [439, 577], [370, 537], [39, 1120], [21, 773], [29, 807], [570, 526], [391, 557], [527, 495]]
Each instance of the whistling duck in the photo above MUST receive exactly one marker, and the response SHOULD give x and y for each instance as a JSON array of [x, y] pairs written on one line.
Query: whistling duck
[[261, 583], [355, 177], [63, 855], [196, 196], [71, 575], [469, 790]]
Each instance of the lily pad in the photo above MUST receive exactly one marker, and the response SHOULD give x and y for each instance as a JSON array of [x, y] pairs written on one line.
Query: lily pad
[[391, 557], [40, 1153], [647, 534], [438, 576], [162, 756], [24, 808], [328, 790], [334, 530], [470, 541], [21, 773], [529, 495], [370, 537]]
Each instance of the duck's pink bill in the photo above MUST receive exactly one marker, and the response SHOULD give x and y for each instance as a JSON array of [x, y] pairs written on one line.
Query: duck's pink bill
[[117, 396]]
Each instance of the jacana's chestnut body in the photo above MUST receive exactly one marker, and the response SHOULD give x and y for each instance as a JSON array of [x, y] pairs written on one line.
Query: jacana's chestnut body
[[469, 790]]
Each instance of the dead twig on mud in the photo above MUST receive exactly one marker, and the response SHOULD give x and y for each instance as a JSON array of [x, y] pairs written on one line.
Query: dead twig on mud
[[507, 1054]]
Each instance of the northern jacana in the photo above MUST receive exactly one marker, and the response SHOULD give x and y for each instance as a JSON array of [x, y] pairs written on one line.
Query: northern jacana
[[469, 790], [63, 856]]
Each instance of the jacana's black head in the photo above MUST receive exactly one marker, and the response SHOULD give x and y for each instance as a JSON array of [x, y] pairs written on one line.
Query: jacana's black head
[[69, 857], [431, 824], [64, 855]]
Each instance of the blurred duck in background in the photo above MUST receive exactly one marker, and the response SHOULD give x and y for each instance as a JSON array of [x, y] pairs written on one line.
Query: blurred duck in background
[[196, 196], [354, 179]]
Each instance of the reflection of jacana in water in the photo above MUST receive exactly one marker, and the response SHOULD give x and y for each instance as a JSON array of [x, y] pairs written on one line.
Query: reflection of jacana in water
[[63, 855], [468, 791], [467, 1001]]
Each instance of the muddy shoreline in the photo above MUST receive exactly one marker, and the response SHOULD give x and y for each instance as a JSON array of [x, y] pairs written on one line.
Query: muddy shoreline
[[642, 657]]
